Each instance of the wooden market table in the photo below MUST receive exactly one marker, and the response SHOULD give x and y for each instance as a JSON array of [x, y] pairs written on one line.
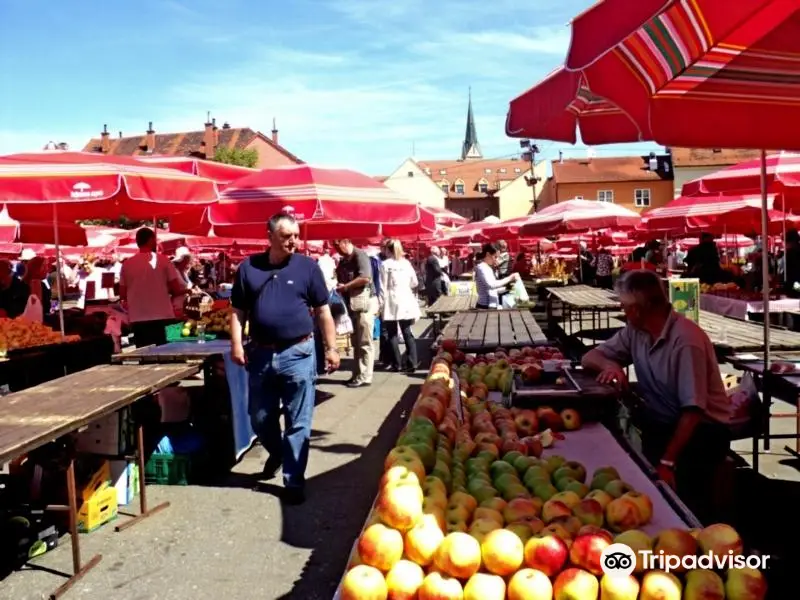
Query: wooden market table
[[447, 306], [33, 417], [486, 330], [584, 298], [785, 386], [731, 335]]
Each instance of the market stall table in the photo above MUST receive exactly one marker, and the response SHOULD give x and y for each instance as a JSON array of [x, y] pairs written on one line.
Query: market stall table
[[741, 309], [446, 306], [583, 298], [31, 418], [785, 386], [203, 354], [733, 335], [486, 330]]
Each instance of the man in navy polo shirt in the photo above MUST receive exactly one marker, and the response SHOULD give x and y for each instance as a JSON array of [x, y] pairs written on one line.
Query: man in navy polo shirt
[[280, 293]]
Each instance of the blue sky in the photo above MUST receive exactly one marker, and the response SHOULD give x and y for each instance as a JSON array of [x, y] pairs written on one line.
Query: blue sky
[[355, 83]]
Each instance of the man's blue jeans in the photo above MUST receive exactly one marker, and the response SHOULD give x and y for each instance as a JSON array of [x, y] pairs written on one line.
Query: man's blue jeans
[[282, 382]]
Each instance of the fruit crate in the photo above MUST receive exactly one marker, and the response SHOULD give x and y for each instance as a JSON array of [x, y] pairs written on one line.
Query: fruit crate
[[168, 469], [174, 334]]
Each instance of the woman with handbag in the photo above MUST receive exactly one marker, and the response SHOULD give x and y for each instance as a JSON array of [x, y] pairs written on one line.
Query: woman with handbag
[[400, 305], [485, 280]]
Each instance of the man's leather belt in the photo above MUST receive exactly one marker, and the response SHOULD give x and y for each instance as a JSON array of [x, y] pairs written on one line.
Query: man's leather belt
[[282, 344]]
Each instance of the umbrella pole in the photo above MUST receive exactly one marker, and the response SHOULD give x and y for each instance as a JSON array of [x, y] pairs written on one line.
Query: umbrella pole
[[58, 271], [765, 256], [785, 272]]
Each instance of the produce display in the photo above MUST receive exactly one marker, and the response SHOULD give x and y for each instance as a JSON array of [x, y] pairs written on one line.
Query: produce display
[[497, 369], [730, 290], [217, 322], [473, 510], [21, 333], [550, 268]]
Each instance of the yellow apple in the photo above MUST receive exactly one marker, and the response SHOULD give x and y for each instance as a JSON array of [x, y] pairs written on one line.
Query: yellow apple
[[404, 580], [364, 583]]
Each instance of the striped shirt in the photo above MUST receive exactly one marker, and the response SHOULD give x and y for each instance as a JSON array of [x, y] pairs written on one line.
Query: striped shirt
[[487, 285]]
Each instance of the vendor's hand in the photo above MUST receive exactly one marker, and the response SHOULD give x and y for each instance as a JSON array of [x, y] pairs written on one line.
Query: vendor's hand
[[667, 475], [613, 376], [332, 360], [238, 355], [341, 288]]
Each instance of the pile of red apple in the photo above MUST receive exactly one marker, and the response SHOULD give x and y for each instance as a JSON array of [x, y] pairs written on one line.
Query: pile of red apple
[[474, 511]]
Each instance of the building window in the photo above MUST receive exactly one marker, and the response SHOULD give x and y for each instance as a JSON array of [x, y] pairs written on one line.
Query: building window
[[483, 186], [442, 172], [605, 195], [460, 188], [427, 170], [502, 170], [517, 170], [476, 214], [578, 198], [641, 198], [445, 185], [411, 173], [487, 171]]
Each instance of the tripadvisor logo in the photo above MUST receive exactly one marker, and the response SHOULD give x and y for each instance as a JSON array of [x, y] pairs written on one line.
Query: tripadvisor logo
[[619, 560]]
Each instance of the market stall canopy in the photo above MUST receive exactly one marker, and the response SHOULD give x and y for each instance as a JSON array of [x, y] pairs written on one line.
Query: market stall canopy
[[446, 217], [471, 232], [84, 185], [694, 213], [329, 203], [27, 232], [575, 216], [696, 73], [222, 173], [563, 103], [783, 178]]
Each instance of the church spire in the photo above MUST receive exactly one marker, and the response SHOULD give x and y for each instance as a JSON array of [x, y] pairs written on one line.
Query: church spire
[[471, 148]]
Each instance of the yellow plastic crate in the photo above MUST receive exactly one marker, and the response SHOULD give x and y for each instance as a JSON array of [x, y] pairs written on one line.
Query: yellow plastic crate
[[98, 510]]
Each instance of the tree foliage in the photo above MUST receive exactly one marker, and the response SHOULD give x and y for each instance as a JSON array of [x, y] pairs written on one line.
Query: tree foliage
[[242, 157]]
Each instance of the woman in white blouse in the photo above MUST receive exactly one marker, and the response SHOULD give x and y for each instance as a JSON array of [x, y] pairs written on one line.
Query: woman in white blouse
[[400, 304], [488, 285]]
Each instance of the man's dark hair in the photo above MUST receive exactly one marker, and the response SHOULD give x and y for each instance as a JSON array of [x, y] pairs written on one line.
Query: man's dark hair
[[275, 221], [144, 236], [489, 249]]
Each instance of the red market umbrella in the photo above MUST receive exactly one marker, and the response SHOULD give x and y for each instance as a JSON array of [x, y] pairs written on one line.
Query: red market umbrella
[[222, 173], [446, 217], [83, 185], [689, 212], [26, 232], [563, 102], [783, 178], [574, 216], [329, 203], [694, 73], [471, 232]]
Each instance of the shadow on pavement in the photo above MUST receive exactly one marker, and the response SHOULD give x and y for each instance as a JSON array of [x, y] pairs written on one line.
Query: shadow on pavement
[[338, 500]]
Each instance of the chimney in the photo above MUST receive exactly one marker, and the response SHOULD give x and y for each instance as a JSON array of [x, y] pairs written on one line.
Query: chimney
[[274, 132], [150, 140], [226, 125], [560, 157], [216, 132], [120, 135], [208, 139], [105, 141]]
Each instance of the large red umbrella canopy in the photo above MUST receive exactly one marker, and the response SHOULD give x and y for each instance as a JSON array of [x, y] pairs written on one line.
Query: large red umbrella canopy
[[83, 185], [222, 173], [563, 102], [447, 218], [27, 232], [783, 178], [471, 232], [575, 216], [329, 203], [695, 73], [687, 212]]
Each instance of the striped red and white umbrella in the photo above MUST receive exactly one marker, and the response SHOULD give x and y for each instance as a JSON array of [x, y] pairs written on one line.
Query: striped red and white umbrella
[[577, 216], [783, 177], [222, 173], [85, 185], [687, 213], [329, 203]]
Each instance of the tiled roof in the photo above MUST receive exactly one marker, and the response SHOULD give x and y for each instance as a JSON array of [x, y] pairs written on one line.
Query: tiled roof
[[472, 172], [187, 143], [381, 178], [603, 170], [710, 157]]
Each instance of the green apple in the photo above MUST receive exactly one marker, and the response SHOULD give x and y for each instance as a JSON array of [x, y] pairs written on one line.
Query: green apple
[[601, 480], [511, 457], [618, 487], [499, 467], [553, 463], [581, 489], [523, 463], [515, 490], [544, 490]]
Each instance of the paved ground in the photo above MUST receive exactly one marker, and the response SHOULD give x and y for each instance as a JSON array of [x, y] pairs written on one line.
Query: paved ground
[[237, 541]]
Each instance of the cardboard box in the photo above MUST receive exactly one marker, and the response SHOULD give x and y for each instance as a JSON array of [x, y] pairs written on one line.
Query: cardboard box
[[98, 510], [125, 479], [110, 436]]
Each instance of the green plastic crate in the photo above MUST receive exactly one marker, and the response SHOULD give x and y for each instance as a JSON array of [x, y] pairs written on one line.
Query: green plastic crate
[[168, 469], [174, 334]]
